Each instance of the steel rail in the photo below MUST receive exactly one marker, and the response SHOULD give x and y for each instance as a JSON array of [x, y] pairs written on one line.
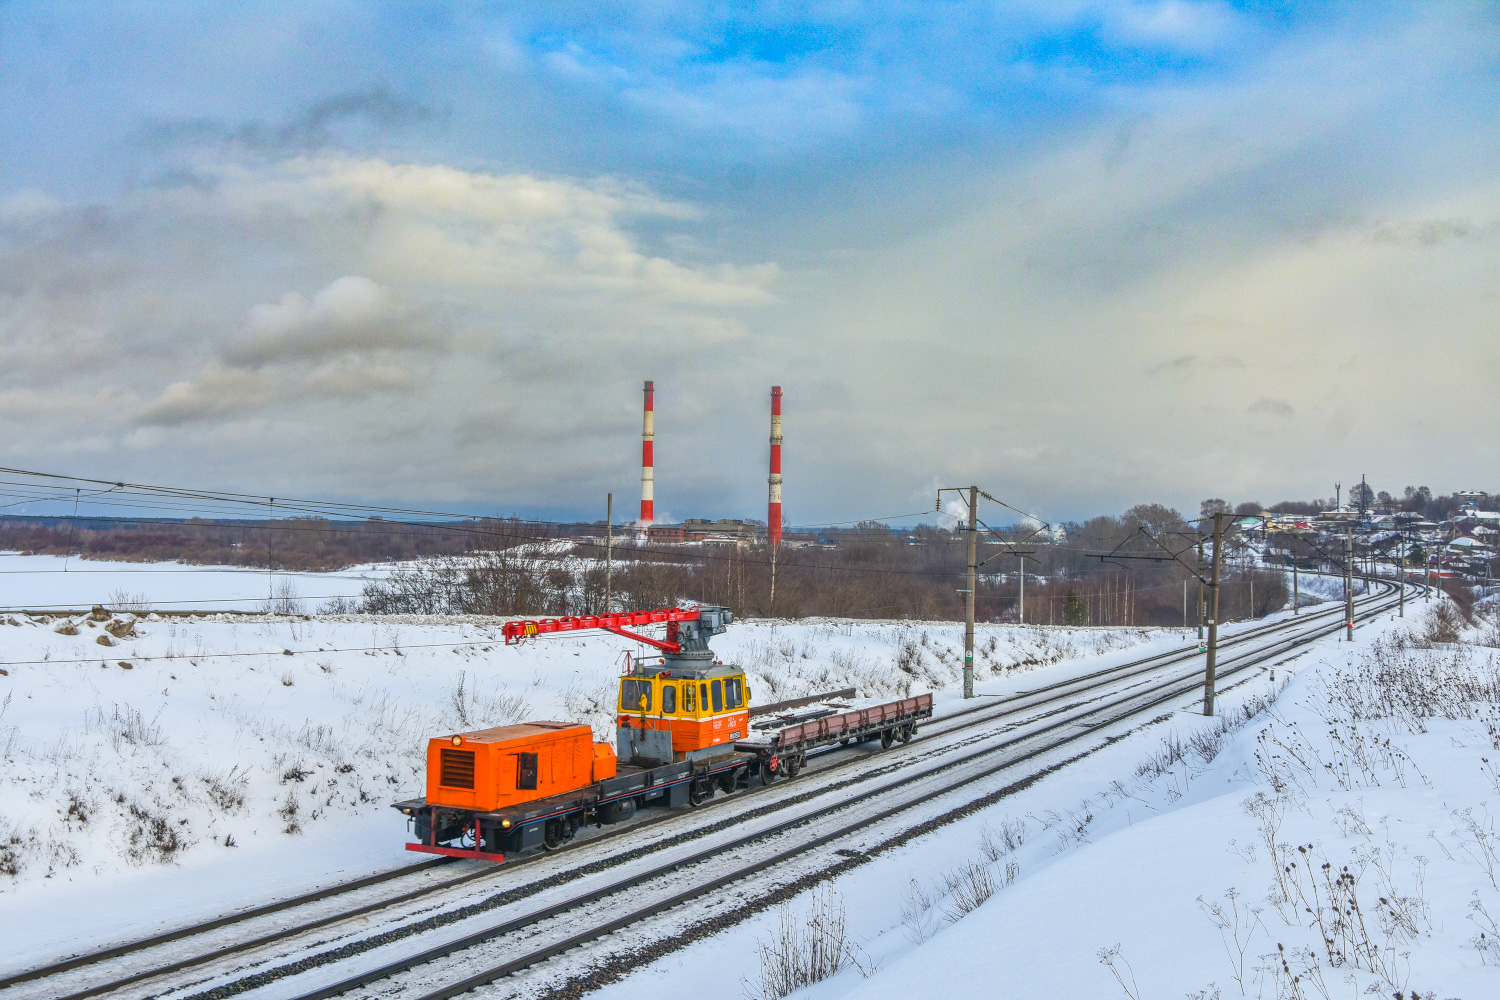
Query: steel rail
[[992, 712], [117, 951], [1128, 707]]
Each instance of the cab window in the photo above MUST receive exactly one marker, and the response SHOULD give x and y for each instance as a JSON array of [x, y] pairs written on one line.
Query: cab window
[[732, 695], [669, 699], [703, 699], [631, 693], [689, 698], [718, 691]]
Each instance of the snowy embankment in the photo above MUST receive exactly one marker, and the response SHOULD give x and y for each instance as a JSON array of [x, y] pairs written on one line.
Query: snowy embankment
[[194, 765], [1340, 842], [66, 583]]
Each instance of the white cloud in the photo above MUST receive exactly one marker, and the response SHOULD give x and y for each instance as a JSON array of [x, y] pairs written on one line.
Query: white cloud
[[441, 225], [1184, 25]]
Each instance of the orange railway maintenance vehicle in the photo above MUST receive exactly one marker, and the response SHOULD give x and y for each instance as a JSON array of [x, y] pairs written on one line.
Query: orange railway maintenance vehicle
[[683, 730]]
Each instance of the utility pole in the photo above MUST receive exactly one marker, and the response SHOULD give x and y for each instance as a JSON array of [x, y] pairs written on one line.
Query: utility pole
[[609, 547], [1296, 592], [1401, 574], [1427, 577], [1021, 612], [969, 596], [1201, 602], [1213, 621], [1349, 582]]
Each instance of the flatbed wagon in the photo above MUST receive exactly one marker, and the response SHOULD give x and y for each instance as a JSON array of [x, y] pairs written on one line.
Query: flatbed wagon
[[782, 741]]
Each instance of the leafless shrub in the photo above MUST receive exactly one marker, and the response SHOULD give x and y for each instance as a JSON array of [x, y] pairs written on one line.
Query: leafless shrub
[[849, 663], [1167, 755], [1486, 942], [1350, 821], [592, 705], [15, 843], [125, 726], [1444, 623], [1408, 687], [136, 603], [80, 807], [1269, 811], [471, 708], [917, 919], [285, 599], [422, 588], [1480, 844], [227, 791], [151, 836], [459, 699], [1488, 620], [807, 949], [1206, 744], [290, 811], [1236, 928], [296, 772], [908, 658], [1114, 960], [995, 844], [339, 606], [1330, 896], [968, 888]]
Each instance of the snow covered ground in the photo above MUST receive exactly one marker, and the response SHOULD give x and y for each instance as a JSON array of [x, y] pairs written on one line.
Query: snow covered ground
[[1342, 843], [197, 765], [40, 583]]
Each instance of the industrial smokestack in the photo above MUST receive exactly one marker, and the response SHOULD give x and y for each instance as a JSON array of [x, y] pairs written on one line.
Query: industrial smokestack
[[648, 458], [773, 509]]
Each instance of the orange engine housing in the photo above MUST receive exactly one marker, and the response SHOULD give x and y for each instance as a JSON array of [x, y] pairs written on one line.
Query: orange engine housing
[[490, 769]]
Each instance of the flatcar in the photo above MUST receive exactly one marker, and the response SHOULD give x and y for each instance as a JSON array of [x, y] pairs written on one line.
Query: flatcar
[[683, 732]]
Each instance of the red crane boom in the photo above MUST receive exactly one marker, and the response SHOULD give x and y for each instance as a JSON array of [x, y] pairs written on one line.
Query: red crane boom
[[516, 631]]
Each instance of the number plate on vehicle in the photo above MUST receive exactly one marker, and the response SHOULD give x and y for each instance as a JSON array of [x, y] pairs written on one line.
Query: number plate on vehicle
[[735, 735]]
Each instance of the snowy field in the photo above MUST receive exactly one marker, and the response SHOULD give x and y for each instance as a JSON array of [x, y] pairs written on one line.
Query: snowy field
[[1340, 843], [196, 765], [41, 583]]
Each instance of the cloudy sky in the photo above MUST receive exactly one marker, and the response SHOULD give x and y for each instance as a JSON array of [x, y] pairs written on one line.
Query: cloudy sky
[[1083, 254]]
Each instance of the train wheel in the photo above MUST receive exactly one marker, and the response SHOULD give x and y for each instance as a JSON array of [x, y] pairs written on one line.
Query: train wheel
[[700, 790], [904, 734], [766, 774], [552, 834], [790, 766], [617, 812], [887, 737], [729, 782]]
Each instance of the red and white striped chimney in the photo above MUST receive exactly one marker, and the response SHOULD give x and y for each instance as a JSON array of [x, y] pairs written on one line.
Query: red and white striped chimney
[[773, 509], [648, 458]]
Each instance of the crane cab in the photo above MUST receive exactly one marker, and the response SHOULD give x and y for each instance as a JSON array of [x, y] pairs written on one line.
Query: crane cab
[[681, 712]]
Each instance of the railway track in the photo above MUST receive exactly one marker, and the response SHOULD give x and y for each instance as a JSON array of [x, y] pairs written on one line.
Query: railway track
[[953, 741], [886, 814]]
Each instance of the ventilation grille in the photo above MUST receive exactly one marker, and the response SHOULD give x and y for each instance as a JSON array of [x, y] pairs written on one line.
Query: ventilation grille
[[456, 768]]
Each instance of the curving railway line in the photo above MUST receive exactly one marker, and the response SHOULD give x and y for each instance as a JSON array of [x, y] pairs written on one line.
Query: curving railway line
[[435, 929]]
